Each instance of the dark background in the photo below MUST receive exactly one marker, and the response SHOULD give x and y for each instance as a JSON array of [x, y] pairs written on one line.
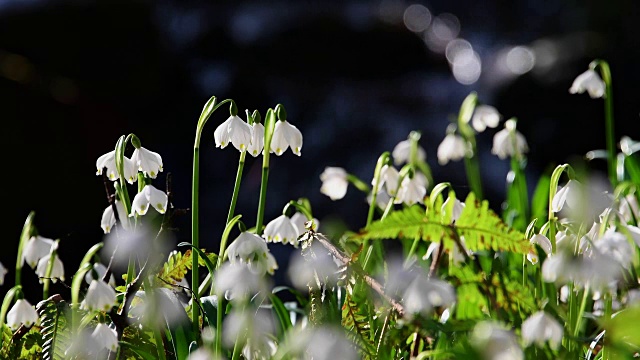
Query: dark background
[[353, 76]]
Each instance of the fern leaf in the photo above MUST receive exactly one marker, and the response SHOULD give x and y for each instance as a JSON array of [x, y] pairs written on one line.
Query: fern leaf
[[356, 321], [175, 268], [56, 334]]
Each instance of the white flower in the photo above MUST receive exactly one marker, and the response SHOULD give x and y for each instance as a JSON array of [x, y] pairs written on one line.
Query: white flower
[[457, 256], [616, 245], [540, 328], [589, 81], [312, 261], [149, 196], [3, 272], [570, 193], [22, 312], [237, 281], [248, 328], [108, 160], [334, 182], [257, 139], [251, 249], [35, 248], [149, 162], [286, 135], [105, 337], [323, 342], [56, 273], [233, 130], [299, 221], [485, 116], [202, 353], [424, 294], [412, 190], [543, 242], [458, 206], [100, 271], [100, 297], [453, 147], [389, 177], [109, 218], [382, 198], [402, 151], [495, 342], [281, 229], [509, 142]]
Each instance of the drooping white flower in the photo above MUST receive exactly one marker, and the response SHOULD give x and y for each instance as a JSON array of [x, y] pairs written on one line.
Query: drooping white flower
[[100, 297], [105, 337], [540, 328], [257, 139], [108, 160], [458, 206], [234, 131], [203, 353], [251, 249], [412, 190], [616, 245], [570, 194], [56, 273], [286, 135], [281, 229], [22, 312], [402, 151], [149, 162], [3, 272], [456, 254], [248, 328], [35, 248], [382, 198], [495, 342], [389, 177], [424, 294], [323, 342], [299, 221], [109, 218], [509, 142], [485, 116], [453, 148], [588, 81], [543, 242], [237, 281], [100, 270], [149, 196], [312, 261], [334, 182]]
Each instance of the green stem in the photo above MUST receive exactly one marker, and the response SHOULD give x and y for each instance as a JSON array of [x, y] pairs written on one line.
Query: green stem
[[472, 169], [47, 276], [605, 72], [579, 315], [236, 190], [24, 237], [270, 124], [382, 160], [157, 335]]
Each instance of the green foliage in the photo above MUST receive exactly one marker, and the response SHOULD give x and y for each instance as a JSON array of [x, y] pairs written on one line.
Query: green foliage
[[356, 318], [56, 334], [177, 266]]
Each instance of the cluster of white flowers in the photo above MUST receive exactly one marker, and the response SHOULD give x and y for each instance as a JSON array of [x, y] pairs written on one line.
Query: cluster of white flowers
[[37, 254], [287, 230]]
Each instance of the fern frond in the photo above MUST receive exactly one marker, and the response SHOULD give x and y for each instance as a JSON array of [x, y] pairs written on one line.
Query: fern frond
[[356, 321], [56, 334]]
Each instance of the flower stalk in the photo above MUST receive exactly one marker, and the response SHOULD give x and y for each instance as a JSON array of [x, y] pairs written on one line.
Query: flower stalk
[[471, 164], [605, 73], [270, 124]]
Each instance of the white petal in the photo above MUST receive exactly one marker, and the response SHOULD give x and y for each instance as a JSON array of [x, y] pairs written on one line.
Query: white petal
[[279, 143], [22, 312], [221, 134], [3, 272], [140, 203], [130, 170], [105, 337], [157, 198], [107, 160], [402, 151], [334, 188], [257, 139], [239, 133], [149, 162], [35, 248], [56, 273], [108, 219], [293, 137]]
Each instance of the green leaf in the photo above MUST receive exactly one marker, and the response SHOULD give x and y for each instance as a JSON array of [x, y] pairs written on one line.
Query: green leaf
[[282, 314], [56, 332]]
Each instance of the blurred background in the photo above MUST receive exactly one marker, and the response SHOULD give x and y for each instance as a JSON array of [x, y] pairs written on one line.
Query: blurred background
[[354, 76]]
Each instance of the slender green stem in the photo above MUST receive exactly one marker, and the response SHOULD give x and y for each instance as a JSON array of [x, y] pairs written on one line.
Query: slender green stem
[[471, 165], [605, 72], [47, 276], [382, 160], [24, 237], [579, 315], [263, 198], [473, 173], [236, 190]]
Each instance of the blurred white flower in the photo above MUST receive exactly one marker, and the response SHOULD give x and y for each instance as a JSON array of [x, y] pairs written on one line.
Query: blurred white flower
[[149, 196], [616, 245], [485, 116], [453, 148], [382, 198], [3, 272], [286, 135], [233, 130], [142, 242], [56, 273], [99, 270], [281, 229], [203, 353], [105, 337], [423, 295], [323, 342], [109, 218], [149, 162], [543, 242], [100, 297], [412, 190], [402, 151], [299, 221], [458, 206], [158, 308], [108, 160], [540, 328], [628, 208], [334, 182], [249, 328], [495, 342], [588, 81], [22, 312], [251, 249], [389, 177], [236, 281], [35, 248], [257, 139], [458, 256], [570, 194], [314, 260], [509, 142]]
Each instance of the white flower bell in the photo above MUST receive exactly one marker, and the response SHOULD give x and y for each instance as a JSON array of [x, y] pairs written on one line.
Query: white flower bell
[[495, 342], [149, 196], [334, 182], [108, 160], [105, 337], [570, 194], [251, 249], [281, 229], [543, 242], [100, 297], [56, 273], [109, 218], [257, 139], [453, 148], [22, 312], [149, 162], [389, 177], [423, 295], [485, 116], [509, 142], [286, 135], [234, 130], [237, 281], [35, 248], [588, 81], [3, 272], [299, 221], [540, 328], [412, 190], [402, 151], [100, 270]]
